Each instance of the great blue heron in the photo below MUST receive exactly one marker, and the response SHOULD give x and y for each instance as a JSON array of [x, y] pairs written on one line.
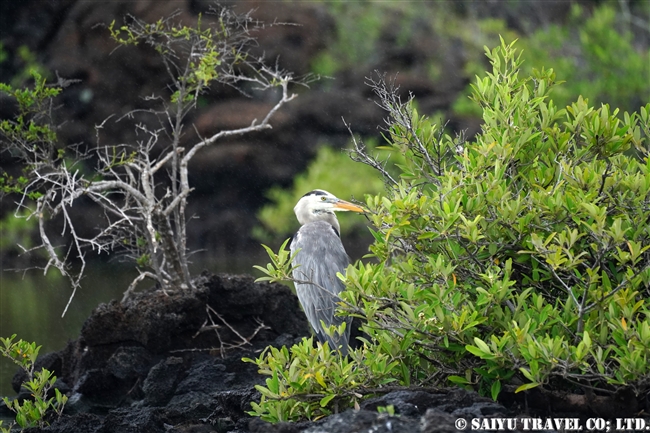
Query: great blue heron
[[320, 256]]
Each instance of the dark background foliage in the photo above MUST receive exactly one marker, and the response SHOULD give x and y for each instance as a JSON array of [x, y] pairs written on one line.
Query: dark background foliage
[[435, 59]]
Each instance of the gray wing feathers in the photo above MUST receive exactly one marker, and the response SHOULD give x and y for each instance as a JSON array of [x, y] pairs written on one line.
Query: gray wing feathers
[[320, 257]]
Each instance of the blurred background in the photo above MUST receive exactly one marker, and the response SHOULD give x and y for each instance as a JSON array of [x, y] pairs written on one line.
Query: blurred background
[[245, 187]]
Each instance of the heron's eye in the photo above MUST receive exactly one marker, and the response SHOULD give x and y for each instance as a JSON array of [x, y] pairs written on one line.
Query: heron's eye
[[323, 198]]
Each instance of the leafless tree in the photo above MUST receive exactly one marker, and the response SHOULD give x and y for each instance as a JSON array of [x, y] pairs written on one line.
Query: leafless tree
[[143, 187]]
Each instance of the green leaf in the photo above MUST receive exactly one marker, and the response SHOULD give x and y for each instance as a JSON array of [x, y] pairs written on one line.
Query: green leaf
[[526, 386], [325, 400], [458, 380], [495, 389]]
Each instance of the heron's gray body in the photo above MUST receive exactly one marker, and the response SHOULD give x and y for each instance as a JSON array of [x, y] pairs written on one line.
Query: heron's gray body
[[320, 257]]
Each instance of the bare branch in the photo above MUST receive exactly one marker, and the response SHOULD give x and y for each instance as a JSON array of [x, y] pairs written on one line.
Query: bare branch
[[142, 190], [360, 154]]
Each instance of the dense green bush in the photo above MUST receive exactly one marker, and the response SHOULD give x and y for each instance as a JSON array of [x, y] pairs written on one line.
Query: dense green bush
[[517, 260]]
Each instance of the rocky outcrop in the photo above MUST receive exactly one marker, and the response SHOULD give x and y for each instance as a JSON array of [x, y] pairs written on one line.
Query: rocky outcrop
[[172, 358]]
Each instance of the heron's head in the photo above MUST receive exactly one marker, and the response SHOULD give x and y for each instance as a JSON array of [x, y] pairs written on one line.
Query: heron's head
[[320, 205]]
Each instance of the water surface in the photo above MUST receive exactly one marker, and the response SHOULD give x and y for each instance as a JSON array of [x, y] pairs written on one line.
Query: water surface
[[31, 304]]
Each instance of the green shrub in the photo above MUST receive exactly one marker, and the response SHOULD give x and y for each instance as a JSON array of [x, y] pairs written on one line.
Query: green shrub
[[527, 249], [308, 382], [31, 413], [518, 259]]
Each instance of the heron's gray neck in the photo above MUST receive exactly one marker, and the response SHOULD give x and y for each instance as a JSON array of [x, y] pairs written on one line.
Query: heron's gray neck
[[331, 218], [321, 215]]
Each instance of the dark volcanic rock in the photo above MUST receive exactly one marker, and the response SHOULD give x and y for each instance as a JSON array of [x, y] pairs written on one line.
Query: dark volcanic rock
[[407, 402], [364, 420], [173, 359], [160, 384], [415, 412]]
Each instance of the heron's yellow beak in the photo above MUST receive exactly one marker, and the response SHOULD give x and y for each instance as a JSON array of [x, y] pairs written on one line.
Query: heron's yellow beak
[[347, 206]]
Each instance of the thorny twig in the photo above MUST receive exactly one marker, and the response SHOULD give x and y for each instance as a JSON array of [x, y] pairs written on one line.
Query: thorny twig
[[360, 154], [215, 327], [400, 114]]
